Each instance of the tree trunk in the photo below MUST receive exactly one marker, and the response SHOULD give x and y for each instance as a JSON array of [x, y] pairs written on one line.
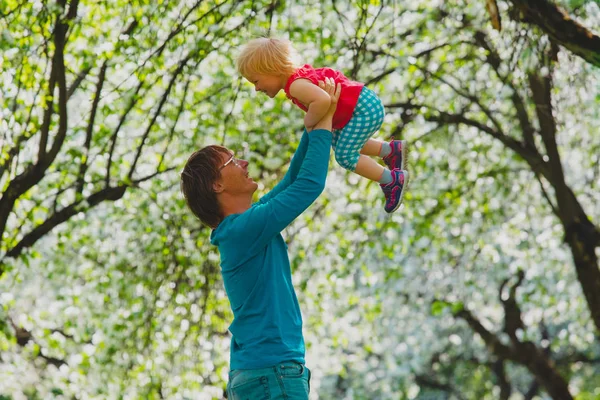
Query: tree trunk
[[581, 234], [581, 237]]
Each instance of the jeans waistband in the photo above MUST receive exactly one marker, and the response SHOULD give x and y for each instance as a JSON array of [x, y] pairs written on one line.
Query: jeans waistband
[[286, 365]]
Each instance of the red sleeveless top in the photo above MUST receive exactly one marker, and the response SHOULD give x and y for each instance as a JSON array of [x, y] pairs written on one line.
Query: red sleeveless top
[[348, 97]]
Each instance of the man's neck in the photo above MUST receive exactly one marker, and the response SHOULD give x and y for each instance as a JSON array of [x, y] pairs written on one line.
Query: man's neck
[[234, 205]]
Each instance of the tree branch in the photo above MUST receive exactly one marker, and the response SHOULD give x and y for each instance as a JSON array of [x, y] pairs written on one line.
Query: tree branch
[[47, 119], [172, 132], [473, 99], [113, 138], [23, 337], [7, 13], [547, 196], [532, 158], [525, 353], [90, 128], [112, 193], [379, 77], [57, 218], [559, 26], [360, 48], [162, 102], [180, 28], [512, 312], [34, 173], [492, 342], [532, 391], [75, 85], [505, 386], [541, 88], [494, 60], [24, 137], [429, 382]]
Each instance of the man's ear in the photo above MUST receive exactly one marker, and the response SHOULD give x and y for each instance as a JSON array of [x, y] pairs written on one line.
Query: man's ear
[[218, 187]]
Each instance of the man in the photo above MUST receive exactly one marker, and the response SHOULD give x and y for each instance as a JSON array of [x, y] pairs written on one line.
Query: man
[[267, 346]]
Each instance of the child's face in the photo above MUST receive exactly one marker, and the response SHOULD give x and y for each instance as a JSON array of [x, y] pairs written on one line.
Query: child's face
[[268, 84]]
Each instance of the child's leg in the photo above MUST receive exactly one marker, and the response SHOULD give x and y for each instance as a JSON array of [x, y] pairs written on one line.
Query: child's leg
[[393, 153], [362, 165], [373, 147], [370, 169], [354, 143]]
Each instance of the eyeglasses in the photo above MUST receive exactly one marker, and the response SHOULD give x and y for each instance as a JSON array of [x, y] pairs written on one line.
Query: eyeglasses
[[231, 160]]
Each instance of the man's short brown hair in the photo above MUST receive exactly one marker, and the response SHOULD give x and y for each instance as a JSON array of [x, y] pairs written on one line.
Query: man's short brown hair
[[200, 173]]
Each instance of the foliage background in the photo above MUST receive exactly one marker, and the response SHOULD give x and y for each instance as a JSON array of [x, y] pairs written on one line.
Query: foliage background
[[109, 287]]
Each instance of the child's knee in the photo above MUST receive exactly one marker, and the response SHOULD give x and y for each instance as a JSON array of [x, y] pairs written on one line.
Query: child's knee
[[346, 161]]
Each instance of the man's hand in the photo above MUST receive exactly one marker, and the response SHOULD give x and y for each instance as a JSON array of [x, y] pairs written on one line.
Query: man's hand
[[334, 94]]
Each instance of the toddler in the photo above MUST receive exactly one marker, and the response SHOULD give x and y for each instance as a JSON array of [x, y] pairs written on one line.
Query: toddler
[[267, 64]]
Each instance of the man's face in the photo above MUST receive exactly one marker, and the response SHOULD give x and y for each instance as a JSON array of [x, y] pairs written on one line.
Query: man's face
[[234, 175], [268, 84]]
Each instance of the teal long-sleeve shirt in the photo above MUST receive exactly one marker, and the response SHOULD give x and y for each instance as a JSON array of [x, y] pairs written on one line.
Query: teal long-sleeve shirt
[[267, 324]]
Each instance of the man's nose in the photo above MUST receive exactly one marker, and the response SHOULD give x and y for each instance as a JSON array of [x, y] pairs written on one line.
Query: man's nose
[[244, 163]]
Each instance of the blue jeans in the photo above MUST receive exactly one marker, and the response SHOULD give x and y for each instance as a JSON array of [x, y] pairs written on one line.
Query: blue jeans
[[288, 380]]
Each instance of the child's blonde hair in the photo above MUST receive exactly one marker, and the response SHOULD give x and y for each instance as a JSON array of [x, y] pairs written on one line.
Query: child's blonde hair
[[266, 56]]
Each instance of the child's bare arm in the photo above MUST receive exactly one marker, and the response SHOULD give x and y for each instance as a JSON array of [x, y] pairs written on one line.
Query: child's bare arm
[[313, 97]]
